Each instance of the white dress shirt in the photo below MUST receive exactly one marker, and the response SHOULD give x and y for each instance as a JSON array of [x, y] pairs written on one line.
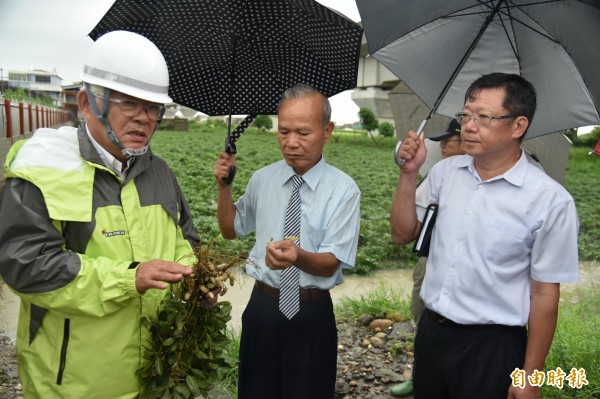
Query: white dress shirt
[[330, 203], [109, 160], [492, 237]]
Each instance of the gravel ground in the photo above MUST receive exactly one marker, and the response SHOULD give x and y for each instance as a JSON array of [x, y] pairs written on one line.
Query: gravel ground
[[370, 361], [10, 388]]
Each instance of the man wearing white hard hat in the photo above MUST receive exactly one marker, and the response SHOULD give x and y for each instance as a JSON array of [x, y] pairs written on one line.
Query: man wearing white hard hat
[[92, 227]]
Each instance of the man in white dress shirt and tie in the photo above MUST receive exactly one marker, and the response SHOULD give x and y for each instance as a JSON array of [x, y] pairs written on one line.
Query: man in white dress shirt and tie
[[306, 216]]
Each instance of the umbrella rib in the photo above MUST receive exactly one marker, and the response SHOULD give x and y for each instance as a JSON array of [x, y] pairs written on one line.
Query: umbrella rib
[[520, 8], [534, 3], [485, 3], [505, 10], [512, 45], [509, 15], [489, 18]]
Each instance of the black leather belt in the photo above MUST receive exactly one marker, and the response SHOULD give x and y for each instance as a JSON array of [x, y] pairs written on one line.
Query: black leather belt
[[438, 318], [306, 294], [441, 319]]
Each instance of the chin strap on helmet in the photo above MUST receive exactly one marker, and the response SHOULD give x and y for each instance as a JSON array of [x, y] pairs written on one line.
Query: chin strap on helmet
[[102, 117]]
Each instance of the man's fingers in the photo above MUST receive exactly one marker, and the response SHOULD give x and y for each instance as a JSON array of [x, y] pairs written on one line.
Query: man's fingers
[[282, 245], [156, 273], [158, 285], [168, 277], [180, 269], [280, 254]]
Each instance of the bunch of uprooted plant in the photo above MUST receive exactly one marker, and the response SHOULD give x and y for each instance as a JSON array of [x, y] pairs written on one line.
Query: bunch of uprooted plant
[[186, 354]]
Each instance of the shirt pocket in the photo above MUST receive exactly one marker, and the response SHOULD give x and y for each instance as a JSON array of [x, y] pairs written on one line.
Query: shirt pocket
[[311, 237], [505, 241]]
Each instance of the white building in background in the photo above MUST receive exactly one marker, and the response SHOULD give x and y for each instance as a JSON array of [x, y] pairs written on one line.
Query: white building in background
[[176, 111], [37, 83], [585, 130]]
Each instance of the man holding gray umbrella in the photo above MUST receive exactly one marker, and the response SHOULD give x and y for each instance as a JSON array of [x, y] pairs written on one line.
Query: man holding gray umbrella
[[505, 238]]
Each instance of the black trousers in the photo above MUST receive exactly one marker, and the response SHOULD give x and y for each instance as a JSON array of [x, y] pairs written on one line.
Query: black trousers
[[287, 359], [465, 362]]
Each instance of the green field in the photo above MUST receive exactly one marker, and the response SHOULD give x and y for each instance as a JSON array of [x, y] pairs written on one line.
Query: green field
[[192, 154]]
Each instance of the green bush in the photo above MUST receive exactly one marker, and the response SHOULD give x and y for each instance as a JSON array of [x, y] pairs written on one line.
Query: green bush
[[585, 140], [19, 94], [386, 129], [588, 140], [263, 123]]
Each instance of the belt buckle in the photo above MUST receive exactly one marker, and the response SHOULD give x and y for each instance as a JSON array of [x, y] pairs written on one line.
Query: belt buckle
[[439, 318]]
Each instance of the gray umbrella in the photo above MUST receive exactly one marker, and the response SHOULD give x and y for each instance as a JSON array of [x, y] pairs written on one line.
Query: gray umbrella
[[439, 47]]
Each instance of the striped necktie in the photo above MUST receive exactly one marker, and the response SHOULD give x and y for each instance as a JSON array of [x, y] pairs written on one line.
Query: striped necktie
[[289, 294]]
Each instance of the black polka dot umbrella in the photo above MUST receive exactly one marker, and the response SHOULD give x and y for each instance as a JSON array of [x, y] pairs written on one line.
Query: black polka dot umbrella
[[238, 56]]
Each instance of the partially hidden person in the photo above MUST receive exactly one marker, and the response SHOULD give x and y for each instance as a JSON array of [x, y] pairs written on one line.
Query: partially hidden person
[[450, 145]]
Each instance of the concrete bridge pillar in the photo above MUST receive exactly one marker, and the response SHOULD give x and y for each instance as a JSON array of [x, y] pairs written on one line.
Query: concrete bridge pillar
[[390, 99]]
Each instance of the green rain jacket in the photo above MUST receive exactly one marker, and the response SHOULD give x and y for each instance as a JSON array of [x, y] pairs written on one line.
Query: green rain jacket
[[71, 234]]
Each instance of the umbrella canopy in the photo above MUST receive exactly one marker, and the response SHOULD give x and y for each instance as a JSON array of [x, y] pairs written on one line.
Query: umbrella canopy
[[439, 47], [552, 152], [238, 56]]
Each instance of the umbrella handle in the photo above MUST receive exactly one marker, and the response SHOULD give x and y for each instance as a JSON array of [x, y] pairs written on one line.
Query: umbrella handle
[[230, 149], [229, 179], [401, 161]]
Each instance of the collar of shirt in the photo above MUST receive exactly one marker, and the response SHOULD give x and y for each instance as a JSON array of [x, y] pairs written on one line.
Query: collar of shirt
[[311, 177], [109, 160], [515, 175]]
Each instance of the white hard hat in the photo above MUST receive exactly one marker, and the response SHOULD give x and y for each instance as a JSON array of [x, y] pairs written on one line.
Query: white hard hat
[[129, 63]]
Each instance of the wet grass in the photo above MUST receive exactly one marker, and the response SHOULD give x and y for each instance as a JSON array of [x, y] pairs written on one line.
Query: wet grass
[[582, 180], [576, 345], [382, 302]]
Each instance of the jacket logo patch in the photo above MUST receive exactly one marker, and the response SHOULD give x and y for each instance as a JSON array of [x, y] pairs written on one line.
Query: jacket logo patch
[[113, 233]]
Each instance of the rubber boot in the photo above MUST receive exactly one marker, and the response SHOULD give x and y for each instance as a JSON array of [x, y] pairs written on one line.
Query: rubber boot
[[403, 389]]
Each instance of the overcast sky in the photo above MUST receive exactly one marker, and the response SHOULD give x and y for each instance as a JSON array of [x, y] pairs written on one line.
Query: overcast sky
[[53, 35]]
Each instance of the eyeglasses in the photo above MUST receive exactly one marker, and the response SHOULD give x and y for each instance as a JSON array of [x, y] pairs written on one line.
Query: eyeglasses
[[446, 141], [479, 119], [133, 108]]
